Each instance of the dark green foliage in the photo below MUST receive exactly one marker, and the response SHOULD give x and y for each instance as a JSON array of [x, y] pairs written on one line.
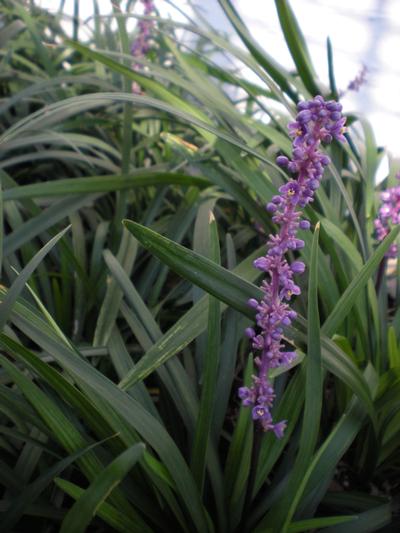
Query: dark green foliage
[[129, 224]]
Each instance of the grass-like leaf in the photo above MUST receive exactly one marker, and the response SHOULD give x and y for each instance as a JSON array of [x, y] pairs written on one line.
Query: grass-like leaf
[[211, 363], [95, 184], [82, 512], [313, 400], [19, 284], [112, 516], [297, 45], [30, 493], [348, 298]]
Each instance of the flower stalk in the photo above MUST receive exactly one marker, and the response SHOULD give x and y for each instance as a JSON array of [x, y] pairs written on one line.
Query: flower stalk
[[141, 45], [317, 122], [388, 216]]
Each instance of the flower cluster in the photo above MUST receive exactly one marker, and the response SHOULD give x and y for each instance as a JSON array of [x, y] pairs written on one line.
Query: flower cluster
[[388, 214], [357, 83], [140, 46], [359, 80], [317, 122]]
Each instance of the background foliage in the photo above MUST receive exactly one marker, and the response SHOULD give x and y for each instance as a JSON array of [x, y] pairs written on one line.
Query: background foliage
[[122, 345]]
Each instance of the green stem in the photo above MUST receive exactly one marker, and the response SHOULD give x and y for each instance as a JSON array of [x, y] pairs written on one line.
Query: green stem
[[379, 277], [255, 453]]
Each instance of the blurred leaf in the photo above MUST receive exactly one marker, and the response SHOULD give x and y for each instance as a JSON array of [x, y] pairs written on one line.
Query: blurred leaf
[[350, 295], [297, 45], [95, 184], [393, 348], [277, 73], [331, 70], [318, 523]]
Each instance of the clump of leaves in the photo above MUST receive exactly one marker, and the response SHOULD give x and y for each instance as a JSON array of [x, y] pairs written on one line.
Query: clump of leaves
[[129, 227]]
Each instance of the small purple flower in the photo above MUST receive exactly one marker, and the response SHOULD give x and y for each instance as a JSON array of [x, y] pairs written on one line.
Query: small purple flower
[[260, 412], [388, 215], [279, 429], [317, 122]]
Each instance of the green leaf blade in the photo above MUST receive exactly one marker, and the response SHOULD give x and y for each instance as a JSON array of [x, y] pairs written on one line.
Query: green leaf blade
[[82, 512]]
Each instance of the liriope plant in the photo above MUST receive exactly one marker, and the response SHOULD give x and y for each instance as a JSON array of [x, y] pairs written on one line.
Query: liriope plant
[[130, 224]]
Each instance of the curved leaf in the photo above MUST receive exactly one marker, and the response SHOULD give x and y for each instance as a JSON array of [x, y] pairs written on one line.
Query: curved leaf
[[80, 515]]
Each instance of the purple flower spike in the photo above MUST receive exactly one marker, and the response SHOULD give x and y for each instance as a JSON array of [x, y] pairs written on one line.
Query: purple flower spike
[[317, 122], [358, 82], [388, 215], [140, 46]]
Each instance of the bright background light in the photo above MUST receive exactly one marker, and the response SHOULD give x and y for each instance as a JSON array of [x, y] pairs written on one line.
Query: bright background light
[[362, 32]]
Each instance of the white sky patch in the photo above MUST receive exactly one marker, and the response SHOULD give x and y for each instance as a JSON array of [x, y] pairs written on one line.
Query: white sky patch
[[362, 32]]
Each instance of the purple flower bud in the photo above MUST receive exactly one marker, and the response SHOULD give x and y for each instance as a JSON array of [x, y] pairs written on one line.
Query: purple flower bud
[[302, 105], [295, 244], [282, 160], [333, 106], [271, 207], [299, 153], [298, 267], [304, 116], [253, 303], [243, 392], [250, 332], [304, 224], [261, 263]]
